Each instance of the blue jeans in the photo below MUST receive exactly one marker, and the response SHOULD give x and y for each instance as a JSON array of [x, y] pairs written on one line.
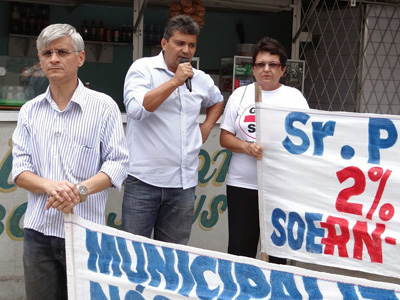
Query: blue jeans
[[169, 211], [44, 266]]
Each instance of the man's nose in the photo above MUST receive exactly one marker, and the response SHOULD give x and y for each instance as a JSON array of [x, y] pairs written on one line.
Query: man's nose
[[54, 56], [185, 48]]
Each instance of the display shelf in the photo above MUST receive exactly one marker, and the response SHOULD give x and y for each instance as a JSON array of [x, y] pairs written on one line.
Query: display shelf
[[225, 76], [235, 72], [96, 51]]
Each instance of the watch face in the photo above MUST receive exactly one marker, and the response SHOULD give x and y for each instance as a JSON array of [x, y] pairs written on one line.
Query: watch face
[[82, 189]]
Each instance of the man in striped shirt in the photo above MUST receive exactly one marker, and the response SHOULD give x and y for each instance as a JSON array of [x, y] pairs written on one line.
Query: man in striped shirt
[[69, 147]]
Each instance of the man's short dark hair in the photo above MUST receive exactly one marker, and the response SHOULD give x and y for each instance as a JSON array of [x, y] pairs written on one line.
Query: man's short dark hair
[[267, 44], [182, 23]]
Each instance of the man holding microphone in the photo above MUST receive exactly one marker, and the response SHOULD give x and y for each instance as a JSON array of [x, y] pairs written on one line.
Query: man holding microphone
[[164, 136]]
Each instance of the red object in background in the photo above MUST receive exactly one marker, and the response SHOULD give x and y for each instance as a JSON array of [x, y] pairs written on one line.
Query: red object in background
[[237, 83]]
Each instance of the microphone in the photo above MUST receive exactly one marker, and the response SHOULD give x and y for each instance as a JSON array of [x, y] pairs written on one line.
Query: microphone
[[188, 80]]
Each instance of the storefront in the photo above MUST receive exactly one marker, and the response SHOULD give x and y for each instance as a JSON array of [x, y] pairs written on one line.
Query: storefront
[[104, 70]]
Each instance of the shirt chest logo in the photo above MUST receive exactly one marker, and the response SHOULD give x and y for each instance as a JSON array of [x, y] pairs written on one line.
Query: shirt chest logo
[[247, 122]]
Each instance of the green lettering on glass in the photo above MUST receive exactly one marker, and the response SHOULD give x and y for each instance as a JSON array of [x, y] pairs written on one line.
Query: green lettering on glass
[[110, 221], [14, 231], [218, 174], [5, 171], [2, 215], [209, 218], [198, 207], [223, 167]]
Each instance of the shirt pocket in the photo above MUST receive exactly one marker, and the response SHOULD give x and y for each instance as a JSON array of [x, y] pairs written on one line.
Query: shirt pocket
[[84, 162]]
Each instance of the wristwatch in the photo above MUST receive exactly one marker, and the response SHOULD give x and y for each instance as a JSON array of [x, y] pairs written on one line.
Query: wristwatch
[[82, 191]]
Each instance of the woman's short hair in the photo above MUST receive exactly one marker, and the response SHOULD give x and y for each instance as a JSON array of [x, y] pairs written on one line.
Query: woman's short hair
[[267, 44]]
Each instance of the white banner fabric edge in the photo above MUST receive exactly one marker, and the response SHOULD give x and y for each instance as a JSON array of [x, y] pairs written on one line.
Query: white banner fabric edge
[[74, 220]]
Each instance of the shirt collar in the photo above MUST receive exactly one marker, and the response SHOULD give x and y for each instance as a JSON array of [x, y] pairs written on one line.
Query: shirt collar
[[77, 97], [160, 62]]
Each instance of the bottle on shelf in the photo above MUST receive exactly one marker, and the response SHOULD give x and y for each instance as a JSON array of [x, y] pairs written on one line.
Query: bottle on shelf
[[129, 34], [15, 21], [123, 34], [93, 31], [85, 30], [31, 23], [24, 21], [45, 17], [100, 32], [108, 35], [39, 25], [116, 36]]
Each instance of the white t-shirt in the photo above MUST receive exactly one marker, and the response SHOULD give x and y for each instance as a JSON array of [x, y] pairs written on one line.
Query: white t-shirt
[[239, 118]]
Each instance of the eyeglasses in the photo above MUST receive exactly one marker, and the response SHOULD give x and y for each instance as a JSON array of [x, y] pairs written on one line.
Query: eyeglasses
[[271, 65], [60, 53]]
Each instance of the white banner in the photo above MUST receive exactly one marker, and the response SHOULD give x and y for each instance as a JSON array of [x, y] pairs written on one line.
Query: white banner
[[329, 188], [106, 263]]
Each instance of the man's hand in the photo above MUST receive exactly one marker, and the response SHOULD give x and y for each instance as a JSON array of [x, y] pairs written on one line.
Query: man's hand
[[155, 97], [183, 72], [63, 195]]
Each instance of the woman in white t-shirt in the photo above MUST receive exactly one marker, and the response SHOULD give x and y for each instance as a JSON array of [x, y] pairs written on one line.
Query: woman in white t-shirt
[[238, 134]]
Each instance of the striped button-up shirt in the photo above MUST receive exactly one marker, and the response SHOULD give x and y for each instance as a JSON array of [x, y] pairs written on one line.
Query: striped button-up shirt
[[74, 144]]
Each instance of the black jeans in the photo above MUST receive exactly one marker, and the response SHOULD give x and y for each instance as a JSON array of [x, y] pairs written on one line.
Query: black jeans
[[44, 266]]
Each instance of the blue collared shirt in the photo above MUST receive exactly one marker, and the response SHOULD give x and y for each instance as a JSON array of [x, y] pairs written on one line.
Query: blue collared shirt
[[164, 144], [74, 144]]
